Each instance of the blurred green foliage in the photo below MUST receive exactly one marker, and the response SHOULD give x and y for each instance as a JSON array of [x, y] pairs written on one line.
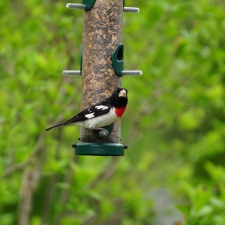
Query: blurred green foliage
[[174, 125]]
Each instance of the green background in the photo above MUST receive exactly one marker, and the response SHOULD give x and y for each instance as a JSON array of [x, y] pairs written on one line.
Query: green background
[[174, 126]]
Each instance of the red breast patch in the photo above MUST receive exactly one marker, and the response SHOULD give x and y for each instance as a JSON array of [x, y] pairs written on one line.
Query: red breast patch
[[119, 112]]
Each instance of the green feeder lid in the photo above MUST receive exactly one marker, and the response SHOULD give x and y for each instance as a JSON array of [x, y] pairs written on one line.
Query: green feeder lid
[[99, 149]]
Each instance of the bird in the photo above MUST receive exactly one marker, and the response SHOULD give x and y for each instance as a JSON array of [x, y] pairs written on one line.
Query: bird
[[102, 114]]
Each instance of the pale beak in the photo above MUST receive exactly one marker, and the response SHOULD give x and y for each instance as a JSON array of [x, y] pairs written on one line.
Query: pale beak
[[123, 93]]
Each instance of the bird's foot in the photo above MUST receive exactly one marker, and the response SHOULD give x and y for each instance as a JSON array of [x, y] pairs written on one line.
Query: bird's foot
[[103, 133]]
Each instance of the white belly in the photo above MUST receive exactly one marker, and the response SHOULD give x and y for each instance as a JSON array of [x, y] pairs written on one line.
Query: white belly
[[100, 121]]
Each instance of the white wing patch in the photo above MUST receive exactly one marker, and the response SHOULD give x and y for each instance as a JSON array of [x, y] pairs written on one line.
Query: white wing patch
[[101, 107], [90, 115]]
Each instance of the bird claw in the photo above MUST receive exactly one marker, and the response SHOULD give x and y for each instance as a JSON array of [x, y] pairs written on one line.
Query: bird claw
[[103, 133]]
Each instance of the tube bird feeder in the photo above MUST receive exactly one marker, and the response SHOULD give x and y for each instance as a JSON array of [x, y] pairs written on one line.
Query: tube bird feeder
[[101, 68]]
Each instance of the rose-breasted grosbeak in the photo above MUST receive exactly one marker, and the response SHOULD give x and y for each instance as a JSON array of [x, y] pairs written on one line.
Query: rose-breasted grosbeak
[[102, 114]]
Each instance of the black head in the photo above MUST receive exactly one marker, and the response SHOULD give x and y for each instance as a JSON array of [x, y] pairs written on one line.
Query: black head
[[119, 97]]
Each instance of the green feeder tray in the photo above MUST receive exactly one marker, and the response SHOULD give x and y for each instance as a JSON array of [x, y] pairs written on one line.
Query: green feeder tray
[[99, 149]]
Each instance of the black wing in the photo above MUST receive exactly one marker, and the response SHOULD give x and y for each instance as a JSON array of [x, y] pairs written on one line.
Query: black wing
[[91, 112]]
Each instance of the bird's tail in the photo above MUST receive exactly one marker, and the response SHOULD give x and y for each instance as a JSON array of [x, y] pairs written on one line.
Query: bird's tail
[[58, 125]]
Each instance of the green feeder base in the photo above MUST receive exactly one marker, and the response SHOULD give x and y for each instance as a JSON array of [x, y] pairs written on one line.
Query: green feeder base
[[99, 149]]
